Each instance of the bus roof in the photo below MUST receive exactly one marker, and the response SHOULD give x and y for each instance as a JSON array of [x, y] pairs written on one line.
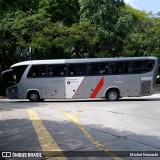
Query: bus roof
[[86, 60]]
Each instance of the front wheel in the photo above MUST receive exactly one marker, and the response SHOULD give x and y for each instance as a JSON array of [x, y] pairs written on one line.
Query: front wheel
[[112, 95], [33, 96]]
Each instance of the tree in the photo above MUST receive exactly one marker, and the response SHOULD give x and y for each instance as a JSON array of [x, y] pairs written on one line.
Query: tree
[[111, 22], [64, 11], [143, 39], [49, 29], [29, 27], [11, 14]]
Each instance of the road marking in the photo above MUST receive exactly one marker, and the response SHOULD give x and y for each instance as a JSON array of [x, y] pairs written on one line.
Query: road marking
[[46, 141], [78, 123]]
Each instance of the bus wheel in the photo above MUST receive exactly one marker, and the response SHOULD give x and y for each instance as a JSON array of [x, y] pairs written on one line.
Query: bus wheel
[[112, 95], [33, 96]]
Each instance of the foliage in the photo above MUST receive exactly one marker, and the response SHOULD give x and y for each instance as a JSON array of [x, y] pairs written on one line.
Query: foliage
[[112, 24], [52, 29], [144, 38]]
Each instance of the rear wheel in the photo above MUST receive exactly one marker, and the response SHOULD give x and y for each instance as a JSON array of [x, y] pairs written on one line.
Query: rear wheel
[[33, 96], [112, 95]]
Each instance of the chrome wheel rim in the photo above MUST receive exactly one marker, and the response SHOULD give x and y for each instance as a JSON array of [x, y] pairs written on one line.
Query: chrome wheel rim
[[113, 96]]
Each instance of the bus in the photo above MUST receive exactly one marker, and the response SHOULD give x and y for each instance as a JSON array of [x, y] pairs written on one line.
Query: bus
[[110, 78]]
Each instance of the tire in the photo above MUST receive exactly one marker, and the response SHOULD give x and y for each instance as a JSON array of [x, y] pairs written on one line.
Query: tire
[[112, 95], [33, 96]]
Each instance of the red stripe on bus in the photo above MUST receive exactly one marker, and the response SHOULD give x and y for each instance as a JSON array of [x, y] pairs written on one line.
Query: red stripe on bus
[[98, 88]]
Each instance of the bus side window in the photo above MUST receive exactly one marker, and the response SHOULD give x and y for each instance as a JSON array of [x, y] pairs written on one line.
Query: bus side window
[[42, 71], [37, 71], [93, 69], [103, 68], [127, 67], [137, 67], [82, 68], [62, 70], [113, 68], [56, 70], [147, 65], [33, 72], [50, 72], [62, 74], [72, 70], [116, 68]]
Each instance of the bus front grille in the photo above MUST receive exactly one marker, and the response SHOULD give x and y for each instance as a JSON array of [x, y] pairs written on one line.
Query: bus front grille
[[145, 87]]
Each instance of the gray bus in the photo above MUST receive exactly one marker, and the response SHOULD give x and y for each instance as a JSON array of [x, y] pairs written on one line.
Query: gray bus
[[110, 78]]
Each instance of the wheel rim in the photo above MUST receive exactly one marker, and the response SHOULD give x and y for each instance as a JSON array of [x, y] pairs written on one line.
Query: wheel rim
[[33, 97], [112, 95]]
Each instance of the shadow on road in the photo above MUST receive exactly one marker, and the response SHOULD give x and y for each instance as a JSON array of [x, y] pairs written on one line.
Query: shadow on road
[[19, 135]]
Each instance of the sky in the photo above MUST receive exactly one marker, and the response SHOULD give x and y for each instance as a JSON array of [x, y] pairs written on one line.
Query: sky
[[145, 5]]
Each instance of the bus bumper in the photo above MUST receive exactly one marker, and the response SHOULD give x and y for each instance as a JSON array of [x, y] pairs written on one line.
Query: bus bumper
[[12, 92]]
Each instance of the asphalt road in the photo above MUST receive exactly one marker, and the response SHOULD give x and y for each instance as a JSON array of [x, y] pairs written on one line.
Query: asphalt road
[[81, 129]]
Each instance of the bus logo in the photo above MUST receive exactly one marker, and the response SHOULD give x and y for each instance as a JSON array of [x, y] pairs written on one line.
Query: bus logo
[[68, 82]]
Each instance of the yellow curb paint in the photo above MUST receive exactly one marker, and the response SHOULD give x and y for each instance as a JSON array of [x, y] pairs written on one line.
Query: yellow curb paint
[[46, 141], [77, 122]]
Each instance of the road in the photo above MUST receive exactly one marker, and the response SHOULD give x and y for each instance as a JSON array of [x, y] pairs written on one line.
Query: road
[[82, 129]]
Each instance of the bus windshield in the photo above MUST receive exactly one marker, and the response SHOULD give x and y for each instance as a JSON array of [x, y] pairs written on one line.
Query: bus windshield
[[13, 75]]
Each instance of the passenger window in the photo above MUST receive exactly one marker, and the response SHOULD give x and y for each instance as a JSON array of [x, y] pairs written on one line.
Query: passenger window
[[37, 71], [56, 70], [147, 65], [82, 69], [93, 69], [136, 67], [62, 70], [77, 69], [72, 70], [98, 68], [127, 67], [103, 68], [116, 68]]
